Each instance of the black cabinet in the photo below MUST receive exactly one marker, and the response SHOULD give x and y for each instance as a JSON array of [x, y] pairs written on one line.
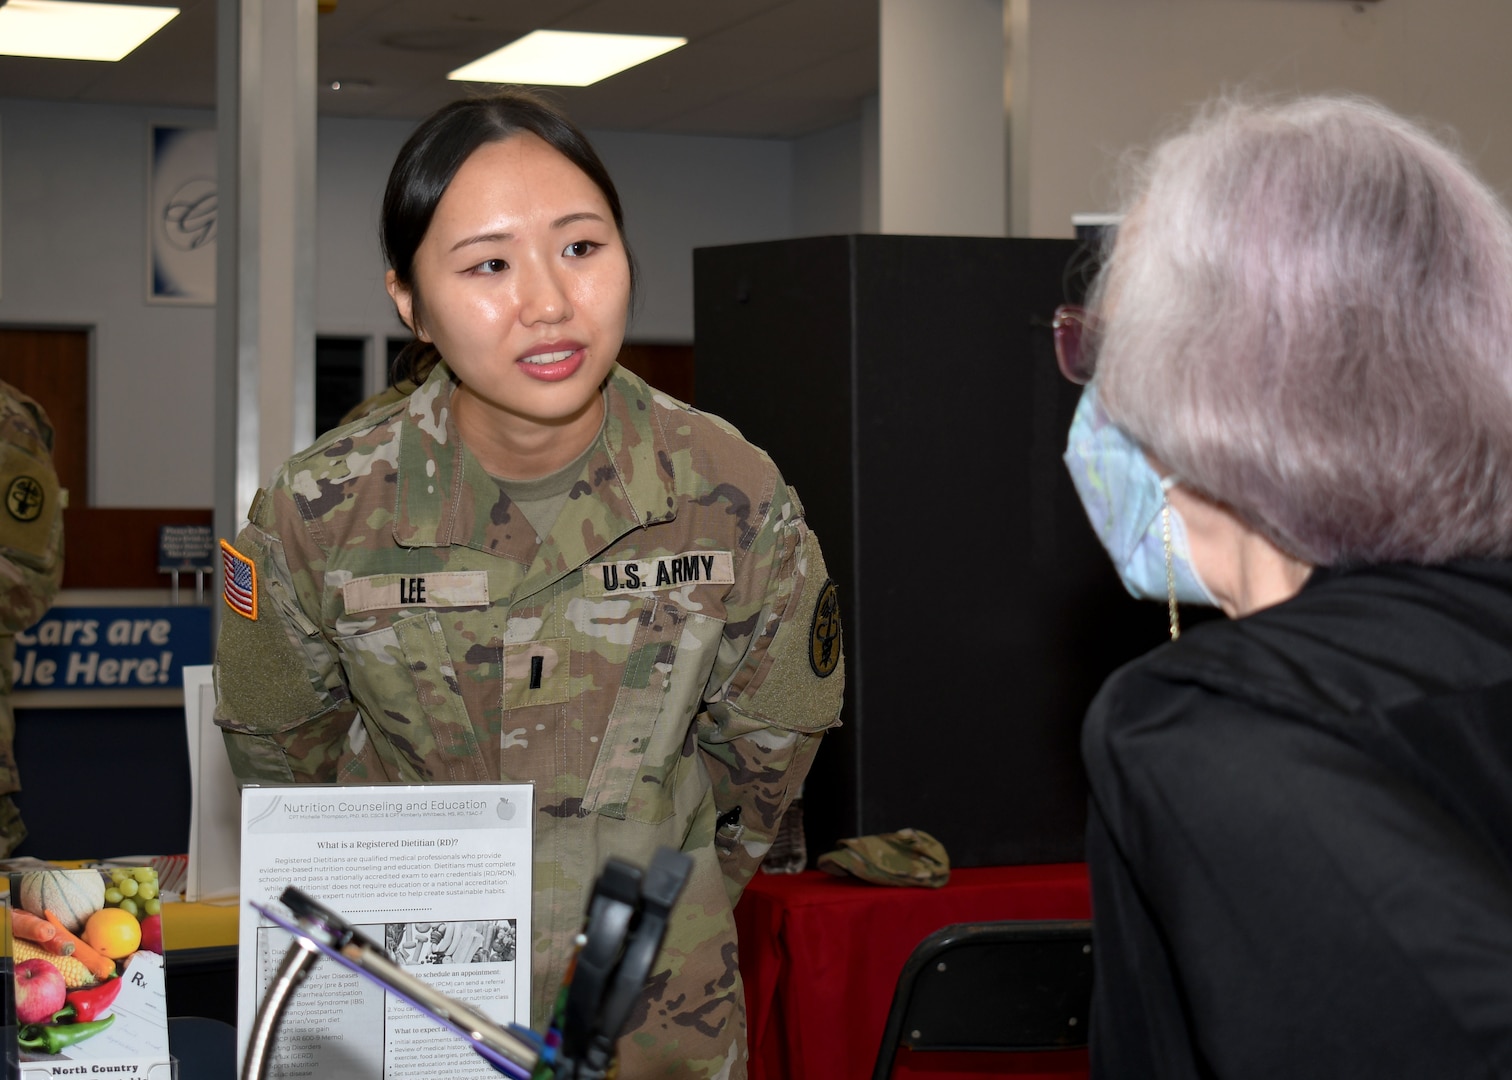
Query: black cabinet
[[907, 387]]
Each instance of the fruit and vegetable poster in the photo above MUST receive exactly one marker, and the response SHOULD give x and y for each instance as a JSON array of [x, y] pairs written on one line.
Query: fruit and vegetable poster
[[87, 947], [439, 874]]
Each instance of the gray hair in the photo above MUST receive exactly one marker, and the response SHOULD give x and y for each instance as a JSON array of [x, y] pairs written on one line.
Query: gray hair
[[1307, 316]]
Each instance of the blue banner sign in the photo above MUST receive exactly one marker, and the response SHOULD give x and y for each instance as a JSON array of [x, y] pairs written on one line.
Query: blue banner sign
[[112, 648]]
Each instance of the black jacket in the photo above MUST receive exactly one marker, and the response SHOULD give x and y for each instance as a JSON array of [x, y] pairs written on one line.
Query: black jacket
[[1301, 837]]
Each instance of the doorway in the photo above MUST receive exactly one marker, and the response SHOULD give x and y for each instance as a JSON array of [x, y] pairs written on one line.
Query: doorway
[[52, 366]]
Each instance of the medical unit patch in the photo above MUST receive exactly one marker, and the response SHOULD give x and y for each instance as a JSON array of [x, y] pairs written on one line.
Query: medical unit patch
[[824, 632], [241, 582], [24, 498]]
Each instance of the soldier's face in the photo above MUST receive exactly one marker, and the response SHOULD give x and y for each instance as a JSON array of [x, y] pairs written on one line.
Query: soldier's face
[[523, 283]]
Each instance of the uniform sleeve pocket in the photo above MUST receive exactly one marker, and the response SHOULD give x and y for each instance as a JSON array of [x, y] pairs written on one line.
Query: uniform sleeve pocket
[[30, 502], [272, 671], [798, 682]]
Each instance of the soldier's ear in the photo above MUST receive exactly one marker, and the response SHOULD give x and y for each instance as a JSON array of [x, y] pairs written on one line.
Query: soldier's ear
[[404, 304]]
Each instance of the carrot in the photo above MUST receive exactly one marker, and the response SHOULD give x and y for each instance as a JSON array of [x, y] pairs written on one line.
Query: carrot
[[26, 925], [99, 966], [57, 946]]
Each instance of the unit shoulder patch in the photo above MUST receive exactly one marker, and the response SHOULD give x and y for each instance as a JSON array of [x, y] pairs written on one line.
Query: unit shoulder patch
[[824, 632], [24, 498]]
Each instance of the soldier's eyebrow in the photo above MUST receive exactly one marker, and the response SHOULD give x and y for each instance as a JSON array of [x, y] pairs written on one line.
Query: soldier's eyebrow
[[568, 219], [482, 238], [502, 237]]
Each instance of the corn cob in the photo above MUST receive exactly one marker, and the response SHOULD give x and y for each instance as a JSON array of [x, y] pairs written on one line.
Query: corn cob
[[75, 974]]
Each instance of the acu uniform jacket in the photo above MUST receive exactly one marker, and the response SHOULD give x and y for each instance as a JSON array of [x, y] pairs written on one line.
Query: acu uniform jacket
[[661, 665], [31, 563]]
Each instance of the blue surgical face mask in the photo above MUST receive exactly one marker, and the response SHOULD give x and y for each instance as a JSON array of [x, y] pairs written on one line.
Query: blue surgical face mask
[[1126, 502]]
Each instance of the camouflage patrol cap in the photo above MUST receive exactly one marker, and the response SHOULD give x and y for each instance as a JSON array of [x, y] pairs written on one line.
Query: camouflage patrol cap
[[905, 857]]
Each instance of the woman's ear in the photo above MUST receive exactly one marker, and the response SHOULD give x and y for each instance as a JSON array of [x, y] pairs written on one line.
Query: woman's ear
[[404, 303]]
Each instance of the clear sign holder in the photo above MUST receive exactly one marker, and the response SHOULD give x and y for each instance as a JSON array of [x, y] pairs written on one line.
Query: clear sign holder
[[199, 585], [186, 549]]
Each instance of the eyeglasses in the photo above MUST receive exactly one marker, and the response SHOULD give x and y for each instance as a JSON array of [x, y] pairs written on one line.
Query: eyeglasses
[[1075, 342]]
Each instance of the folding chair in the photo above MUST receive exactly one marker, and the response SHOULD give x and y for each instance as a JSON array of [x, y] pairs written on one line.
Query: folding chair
[[997, 986]]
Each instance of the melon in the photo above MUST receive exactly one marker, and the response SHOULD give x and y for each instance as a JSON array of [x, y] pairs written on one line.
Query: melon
[[72, 895]]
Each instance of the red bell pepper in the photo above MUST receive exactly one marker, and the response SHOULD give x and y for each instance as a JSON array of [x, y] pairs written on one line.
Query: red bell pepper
[[94, 1002]]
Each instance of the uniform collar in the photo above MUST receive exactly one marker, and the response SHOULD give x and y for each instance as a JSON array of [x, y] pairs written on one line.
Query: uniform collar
[[445, 497]]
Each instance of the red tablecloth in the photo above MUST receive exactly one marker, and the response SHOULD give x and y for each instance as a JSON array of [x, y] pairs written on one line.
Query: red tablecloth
[[821, 956]]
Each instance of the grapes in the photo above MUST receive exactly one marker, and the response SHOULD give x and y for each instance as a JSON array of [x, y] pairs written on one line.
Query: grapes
[[134, 890]]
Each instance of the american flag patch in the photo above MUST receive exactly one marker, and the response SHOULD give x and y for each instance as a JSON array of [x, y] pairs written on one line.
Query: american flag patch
[[241, 582]]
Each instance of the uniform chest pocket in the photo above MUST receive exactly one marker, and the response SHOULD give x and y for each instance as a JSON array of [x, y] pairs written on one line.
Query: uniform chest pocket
[[403, 679], [662, 660]]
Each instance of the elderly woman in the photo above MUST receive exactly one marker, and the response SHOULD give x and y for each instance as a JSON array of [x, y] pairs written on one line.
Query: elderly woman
[[1301, 820]]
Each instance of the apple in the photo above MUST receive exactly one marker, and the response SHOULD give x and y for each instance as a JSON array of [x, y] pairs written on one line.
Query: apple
[[152, 934], [40, 991]]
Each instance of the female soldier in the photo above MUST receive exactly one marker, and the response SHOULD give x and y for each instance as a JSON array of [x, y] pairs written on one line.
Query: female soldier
[[1301, 822], [538, 568]]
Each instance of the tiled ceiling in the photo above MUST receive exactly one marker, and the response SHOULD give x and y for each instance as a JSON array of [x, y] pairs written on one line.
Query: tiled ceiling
[[753, 68]]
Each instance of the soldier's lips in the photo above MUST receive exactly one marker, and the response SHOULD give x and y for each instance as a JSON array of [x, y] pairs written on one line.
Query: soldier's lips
[[553, 364]]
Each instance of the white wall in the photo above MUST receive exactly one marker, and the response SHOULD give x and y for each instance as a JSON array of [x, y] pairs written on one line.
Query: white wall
[[681, 193], [943, 132], [1107, 75], [73, 254], [836, 177], [351, 166], [827, 180], [73, 242]]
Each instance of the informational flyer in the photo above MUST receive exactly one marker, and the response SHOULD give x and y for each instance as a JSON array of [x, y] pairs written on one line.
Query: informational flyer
[[438, 874]]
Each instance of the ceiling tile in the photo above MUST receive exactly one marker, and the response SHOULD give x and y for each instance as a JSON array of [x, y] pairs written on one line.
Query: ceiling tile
[[802, 61]]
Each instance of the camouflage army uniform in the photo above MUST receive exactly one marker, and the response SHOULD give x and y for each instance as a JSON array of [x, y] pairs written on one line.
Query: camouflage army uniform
[[31, 564], [661, 665]]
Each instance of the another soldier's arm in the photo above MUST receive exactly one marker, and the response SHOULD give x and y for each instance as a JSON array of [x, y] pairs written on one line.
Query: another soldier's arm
[[31, 523], [281, 699], [776, 688]]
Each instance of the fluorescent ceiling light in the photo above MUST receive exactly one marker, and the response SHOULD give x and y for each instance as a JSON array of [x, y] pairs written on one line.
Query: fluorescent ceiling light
[[564, 58], [69, 30]]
